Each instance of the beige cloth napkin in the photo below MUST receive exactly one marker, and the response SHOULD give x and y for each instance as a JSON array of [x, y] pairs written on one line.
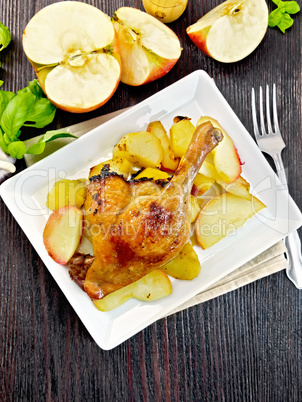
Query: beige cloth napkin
[[267, 263]]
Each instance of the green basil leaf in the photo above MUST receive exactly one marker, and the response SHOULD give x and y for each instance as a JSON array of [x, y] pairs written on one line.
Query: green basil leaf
[[275, 17], [54, 134], [285, 23], [34, 87], [17, 149], [16, 112], [1, 82], [49, 136], [291, 7], [36, 149], [5, 36], [41, 114], [3, 145], [5, 97]]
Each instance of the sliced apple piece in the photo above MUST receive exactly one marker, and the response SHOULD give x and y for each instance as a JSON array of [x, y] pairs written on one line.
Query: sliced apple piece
[[185, 265], [169, 161], [194, 208], [238, 187], [232, 30], [225, 155], [74, 51], [222, 215], [141, 149], [62, 233], [181, 133], [148, 48], [153, 286], [66, 192], [201, 184], [208, 169]]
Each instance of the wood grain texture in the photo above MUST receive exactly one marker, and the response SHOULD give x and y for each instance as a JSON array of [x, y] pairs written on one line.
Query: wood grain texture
[[243, 346]]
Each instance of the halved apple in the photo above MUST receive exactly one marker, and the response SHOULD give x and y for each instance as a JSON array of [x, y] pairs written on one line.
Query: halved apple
[[148, 48], [226, 159], [62, 233], [222, 215], [232, 30], [74, 51]]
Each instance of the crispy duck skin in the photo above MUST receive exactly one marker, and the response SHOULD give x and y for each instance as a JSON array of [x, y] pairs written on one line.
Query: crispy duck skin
[[137, 227]]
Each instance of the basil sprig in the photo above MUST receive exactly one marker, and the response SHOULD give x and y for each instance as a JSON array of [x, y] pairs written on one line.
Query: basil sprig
[[280, 17], [27, 108], [5, 36]]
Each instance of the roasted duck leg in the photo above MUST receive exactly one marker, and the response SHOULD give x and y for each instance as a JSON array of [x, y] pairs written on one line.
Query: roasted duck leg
[[139, 226]]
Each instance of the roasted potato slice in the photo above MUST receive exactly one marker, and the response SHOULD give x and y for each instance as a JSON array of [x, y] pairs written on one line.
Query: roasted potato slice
[[66, 192], [118, 165], [169, 161], [152, 286], [142, 149], [153, 173], [185, 265], [181, 134]]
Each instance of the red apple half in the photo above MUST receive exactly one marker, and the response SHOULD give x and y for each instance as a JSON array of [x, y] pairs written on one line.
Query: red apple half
[[148, 48]]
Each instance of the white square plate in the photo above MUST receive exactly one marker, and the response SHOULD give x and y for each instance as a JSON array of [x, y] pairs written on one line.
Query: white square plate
[[193, 96]]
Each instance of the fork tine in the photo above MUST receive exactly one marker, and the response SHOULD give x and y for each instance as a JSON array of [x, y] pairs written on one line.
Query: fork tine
[[275, 113], [268, 113], [254, 116], [261, 111]]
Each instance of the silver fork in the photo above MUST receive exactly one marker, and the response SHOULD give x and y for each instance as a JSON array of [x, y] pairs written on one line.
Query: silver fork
[[271, 142]]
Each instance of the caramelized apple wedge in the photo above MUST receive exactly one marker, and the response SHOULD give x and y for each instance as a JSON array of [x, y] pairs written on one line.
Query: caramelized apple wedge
[[222, 215], [62, 233], [226, 159], [150, 287]]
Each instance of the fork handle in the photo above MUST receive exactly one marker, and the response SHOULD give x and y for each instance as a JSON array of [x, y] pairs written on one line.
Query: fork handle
[[292, 241], [280, 169]]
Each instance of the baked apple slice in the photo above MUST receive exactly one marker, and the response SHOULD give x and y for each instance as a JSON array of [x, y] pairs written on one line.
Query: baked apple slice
[[226, 159], [63, 232], [222, 215]]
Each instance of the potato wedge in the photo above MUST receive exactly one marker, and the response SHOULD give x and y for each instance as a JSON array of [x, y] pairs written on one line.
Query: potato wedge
[[66, 192], [181, 134], [152, 286], [142, 149], [222, 215], [153, 173], [185, 265], [121, 166], [169, 161]]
